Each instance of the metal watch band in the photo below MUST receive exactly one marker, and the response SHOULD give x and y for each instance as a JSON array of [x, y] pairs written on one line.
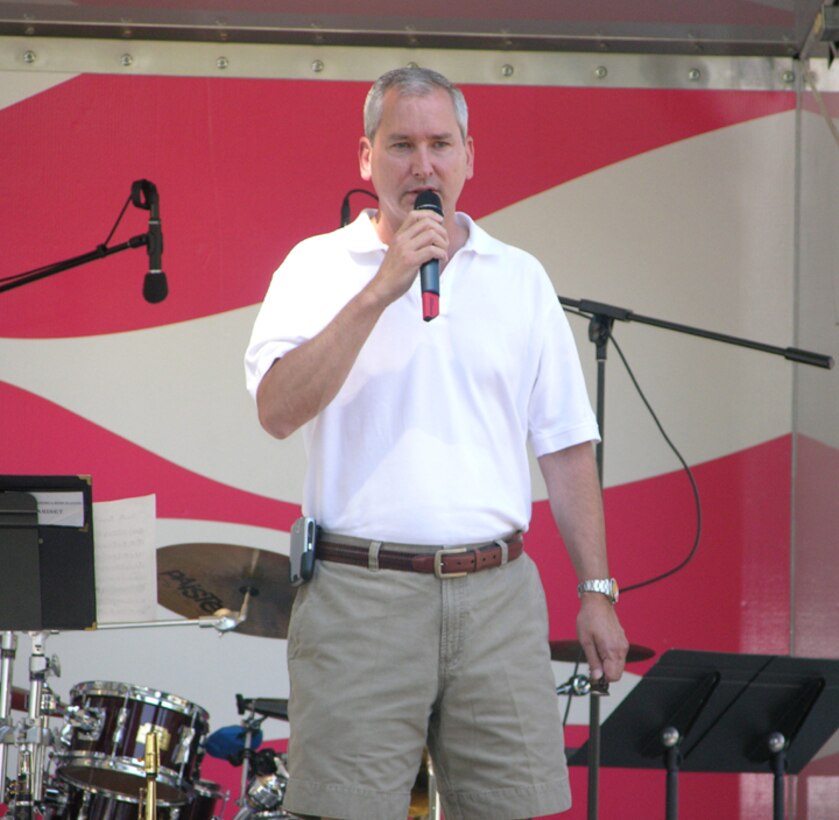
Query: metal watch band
[[605, 586]]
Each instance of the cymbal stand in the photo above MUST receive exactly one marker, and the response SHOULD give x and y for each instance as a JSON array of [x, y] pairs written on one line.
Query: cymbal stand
[[37, 737], [32, 735], [222, 620], [7, 732]]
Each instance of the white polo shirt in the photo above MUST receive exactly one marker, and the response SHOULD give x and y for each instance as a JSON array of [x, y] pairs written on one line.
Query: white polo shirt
[[426, 442]]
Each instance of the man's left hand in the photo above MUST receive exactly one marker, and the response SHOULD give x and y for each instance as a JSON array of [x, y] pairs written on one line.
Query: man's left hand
[[601, 637]]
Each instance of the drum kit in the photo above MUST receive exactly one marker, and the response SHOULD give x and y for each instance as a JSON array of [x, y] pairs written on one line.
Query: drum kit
[[116, 751]]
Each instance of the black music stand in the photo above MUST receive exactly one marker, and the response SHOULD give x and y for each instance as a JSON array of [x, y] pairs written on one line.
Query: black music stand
[[722, 712], [46, 563]]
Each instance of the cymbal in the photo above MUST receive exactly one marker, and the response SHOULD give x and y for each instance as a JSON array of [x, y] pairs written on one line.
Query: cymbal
[[197, 580], [571, 652]]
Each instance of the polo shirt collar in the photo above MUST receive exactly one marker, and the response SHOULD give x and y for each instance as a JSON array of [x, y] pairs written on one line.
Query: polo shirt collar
[[362, 236]]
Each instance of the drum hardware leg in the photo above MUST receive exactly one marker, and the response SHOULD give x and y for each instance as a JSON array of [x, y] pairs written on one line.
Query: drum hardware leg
[[225, 797], [7, 659], [21, 808], [84, 809], [37, 737], [434, 808], [251, 724]]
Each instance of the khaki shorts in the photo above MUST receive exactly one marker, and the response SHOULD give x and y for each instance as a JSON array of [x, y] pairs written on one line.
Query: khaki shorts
[[384, 663]]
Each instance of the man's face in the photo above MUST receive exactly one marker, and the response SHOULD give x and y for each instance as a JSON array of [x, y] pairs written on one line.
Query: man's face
[[418, 146]]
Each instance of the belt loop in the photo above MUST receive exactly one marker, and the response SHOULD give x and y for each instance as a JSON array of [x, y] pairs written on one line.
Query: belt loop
[[373, 556], [505, 550]]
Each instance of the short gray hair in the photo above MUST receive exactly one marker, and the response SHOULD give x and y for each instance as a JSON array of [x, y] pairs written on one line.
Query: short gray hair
[[411, 80]]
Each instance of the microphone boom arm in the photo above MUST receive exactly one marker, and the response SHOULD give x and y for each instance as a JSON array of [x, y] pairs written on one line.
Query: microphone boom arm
[[49, 270], [609, 313]]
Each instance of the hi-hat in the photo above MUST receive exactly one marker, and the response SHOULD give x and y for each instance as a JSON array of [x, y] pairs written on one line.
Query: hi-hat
[[198, 580], [572, 652]]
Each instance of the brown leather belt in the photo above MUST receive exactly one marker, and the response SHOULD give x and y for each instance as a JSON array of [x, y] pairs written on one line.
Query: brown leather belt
[[447, 562]]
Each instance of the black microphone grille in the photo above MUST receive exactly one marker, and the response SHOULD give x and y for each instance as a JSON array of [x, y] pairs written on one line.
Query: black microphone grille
[[155, 287], [428, 200]]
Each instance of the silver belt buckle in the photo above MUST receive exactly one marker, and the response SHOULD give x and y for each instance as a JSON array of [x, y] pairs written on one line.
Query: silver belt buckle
[[438, 563]]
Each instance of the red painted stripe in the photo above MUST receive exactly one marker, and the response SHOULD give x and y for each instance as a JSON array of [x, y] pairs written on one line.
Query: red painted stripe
[[55, 441], [714, 603], [246, 168]]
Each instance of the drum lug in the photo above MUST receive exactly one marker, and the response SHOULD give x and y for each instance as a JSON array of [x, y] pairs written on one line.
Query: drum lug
[[117, 735], [88, 721], [185, 739]]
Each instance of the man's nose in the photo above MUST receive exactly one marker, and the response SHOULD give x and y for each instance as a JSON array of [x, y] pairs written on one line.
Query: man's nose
[[422, 162]]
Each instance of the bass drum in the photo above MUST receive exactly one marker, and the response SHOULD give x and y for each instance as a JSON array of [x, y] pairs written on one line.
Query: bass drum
[[104, 735]]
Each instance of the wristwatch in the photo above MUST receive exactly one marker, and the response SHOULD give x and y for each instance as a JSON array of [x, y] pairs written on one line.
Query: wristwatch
[[605, 586]]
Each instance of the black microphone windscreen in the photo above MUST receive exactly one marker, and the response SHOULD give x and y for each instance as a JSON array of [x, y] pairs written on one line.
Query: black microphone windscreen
[[428, 200], [155, 288]]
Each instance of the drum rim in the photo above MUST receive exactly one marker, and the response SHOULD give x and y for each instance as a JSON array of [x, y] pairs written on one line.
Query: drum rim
[[93, 761], [143, 694]]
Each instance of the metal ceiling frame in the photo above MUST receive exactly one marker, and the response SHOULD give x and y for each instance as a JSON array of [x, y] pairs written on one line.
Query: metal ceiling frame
[[235, 24]]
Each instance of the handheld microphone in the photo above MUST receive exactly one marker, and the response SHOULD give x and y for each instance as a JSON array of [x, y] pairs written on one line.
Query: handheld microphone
[[430, 270], [144, 195]]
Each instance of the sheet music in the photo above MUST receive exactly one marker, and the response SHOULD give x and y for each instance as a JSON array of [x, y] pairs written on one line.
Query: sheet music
[[125, 560]]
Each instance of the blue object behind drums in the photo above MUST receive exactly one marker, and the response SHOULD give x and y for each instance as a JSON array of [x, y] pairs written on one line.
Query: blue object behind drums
[[228, 743]]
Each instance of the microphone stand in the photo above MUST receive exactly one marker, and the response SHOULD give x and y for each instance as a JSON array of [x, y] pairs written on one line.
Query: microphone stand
[[601, 321], [57, 267]]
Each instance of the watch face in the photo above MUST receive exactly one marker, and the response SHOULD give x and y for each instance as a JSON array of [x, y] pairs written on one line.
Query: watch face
[[614, 591]]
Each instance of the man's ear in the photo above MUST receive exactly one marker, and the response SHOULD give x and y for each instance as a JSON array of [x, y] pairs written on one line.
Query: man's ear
[[364, 150], [470, 158]]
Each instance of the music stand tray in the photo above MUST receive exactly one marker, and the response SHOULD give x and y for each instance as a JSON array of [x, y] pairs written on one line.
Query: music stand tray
[[723, 712]]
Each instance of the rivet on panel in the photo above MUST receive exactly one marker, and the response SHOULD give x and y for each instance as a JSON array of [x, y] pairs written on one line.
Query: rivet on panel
[[694, 74], [29, 56], [318, 66], [126, 60], [601, 72], [222, 63], [507, 70]]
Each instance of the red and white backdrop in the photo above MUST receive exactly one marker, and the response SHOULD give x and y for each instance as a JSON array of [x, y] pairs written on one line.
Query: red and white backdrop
[[676, 204]]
